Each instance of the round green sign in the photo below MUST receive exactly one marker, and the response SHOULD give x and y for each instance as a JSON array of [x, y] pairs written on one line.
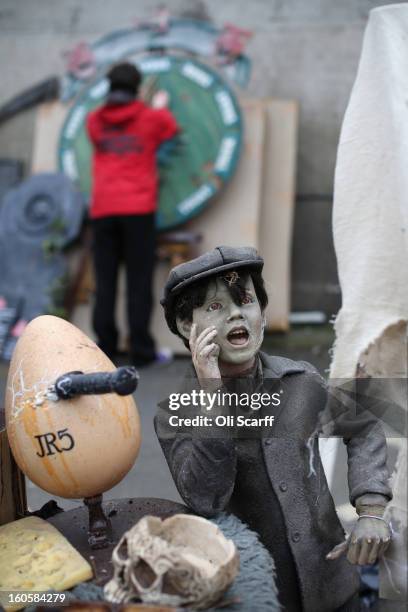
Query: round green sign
[[198, 163]]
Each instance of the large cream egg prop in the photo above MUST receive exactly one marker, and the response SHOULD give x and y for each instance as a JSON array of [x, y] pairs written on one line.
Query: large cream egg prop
[[72, 448]]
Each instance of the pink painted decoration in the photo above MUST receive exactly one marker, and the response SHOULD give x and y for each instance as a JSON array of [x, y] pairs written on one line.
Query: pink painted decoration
[[81, 61], [232, 42]]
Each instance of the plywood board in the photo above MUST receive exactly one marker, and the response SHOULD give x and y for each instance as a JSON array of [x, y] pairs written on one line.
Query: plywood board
[[233, 217], [256, 208], [278, 198], [48, 122]]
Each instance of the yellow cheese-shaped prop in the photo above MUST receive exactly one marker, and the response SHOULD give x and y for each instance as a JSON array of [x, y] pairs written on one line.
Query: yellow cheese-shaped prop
[[73, 448], [34, 556]]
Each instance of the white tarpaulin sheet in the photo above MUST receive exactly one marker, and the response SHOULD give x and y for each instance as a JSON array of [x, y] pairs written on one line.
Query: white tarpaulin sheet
[[371, 193], [370, 225]]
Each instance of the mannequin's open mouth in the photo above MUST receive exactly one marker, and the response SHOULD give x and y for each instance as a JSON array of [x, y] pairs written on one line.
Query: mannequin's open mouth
[[238, 336]]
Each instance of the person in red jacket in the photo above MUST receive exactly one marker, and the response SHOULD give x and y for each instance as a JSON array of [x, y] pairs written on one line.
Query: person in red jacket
[[125, 134]]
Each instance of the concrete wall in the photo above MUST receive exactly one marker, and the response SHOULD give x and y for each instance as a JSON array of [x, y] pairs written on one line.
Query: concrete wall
[[306, 50]]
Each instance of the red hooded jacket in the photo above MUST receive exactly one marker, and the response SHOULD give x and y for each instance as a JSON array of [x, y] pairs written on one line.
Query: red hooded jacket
[[125, 139]]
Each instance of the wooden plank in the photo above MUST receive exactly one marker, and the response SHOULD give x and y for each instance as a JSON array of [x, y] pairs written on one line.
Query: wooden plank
[[48, 122], [277, 211], [13, 501]]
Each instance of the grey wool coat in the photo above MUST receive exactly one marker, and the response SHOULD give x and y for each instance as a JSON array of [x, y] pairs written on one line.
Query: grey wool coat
[[205, 470]]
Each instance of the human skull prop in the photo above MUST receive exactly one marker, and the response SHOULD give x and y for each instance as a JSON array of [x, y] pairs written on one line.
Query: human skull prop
[[181, 560]]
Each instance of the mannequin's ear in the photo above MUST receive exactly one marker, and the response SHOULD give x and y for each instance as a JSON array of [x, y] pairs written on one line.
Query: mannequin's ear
[[184, 327]]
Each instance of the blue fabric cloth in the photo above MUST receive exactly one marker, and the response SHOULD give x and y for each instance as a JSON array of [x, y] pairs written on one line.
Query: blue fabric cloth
[[255, 585]]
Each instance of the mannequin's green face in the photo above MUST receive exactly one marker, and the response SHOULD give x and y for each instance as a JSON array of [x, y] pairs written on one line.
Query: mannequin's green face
[[240, 328]]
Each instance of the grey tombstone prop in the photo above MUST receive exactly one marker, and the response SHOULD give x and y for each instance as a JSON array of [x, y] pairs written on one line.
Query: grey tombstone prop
[[11, 173], [38, 219]]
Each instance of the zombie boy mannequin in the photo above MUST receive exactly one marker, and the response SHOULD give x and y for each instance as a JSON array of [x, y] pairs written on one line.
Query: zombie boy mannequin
[[215, 303]]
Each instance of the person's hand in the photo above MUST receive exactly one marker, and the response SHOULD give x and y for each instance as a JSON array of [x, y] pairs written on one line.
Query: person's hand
[[160, 99], [204, 353], [367, 542]]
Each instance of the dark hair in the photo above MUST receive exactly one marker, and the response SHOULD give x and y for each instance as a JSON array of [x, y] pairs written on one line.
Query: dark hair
[[193, 296], [125, 77]]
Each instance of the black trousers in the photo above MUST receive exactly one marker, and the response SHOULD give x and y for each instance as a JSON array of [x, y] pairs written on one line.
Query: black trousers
[[131, 239]]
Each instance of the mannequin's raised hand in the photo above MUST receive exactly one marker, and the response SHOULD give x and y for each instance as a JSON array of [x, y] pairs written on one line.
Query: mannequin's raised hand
[[204, 353]]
